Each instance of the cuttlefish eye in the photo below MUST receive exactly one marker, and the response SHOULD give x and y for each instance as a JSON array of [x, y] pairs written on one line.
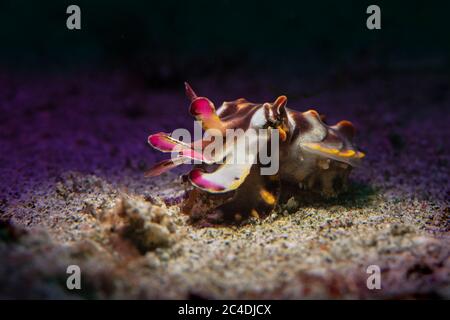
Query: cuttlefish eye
[[274, 122], [278, 124]]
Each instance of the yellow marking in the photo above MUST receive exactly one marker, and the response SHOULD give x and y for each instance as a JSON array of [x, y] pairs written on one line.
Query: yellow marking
[[236, 183], [212, 122], [347, 153], [283, 134], [273, 178], [267, 197], [320, 148], [254, 214]]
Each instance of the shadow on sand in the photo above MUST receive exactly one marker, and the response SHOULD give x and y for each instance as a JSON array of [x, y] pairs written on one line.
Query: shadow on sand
[[358, 195]]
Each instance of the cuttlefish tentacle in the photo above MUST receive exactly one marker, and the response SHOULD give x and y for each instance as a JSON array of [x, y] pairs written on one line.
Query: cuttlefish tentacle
[[203, 110], [165, 143], [164, 166]]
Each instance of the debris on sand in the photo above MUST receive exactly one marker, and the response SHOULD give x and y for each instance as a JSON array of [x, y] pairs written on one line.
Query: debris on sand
[[146, 225], [73, 193]]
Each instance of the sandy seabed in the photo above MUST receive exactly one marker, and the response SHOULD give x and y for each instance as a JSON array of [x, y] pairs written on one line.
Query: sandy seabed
[[73, 153]]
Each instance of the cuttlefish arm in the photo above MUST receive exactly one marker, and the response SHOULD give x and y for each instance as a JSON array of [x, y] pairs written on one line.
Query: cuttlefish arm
[[186, 152], [203, 110], [234, 170], [164, 166], [165, 143]]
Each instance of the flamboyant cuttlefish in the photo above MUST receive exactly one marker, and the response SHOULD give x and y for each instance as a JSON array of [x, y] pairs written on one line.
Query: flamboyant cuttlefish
[[311, 155]]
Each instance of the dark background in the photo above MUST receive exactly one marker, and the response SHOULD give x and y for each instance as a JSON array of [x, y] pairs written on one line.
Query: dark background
[[164, 40]]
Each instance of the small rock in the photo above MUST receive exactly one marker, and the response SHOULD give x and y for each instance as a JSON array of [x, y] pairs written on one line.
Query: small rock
[[399, 229], [148, 226], [292, 204], [152, 260]]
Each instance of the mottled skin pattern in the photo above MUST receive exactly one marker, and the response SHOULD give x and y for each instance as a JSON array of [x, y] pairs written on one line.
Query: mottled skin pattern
[[321, 168], [312, 155]]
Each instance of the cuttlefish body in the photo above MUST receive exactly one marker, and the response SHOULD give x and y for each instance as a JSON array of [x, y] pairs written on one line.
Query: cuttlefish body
[[311, 154]]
